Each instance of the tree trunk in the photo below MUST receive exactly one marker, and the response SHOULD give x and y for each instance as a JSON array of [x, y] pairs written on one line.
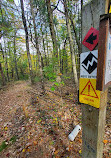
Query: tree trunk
[[65, 62], [6, 67], [11, 63], [37, 47], [75, 33], [52, 31], [47, 48], [15, 60], [2, 75], [27, 40], [4, 55], [71, 44], [44, 46]]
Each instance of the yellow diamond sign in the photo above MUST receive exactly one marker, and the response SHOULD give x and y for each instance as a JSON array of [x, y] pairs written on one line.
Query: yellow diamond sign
[[88, 93]]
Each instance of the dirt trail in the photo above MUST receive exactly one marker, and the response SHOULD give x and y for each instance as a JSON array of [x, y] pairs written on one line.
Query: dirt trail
[[34, 125], [11, 98]]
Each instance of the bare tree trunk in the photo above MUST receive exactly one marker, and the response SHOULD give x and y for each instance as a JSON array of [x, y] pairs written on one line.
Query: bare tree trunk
[[71, 44], [6, 66], [65, 62], [47, 49], [11, 65], [15, 60], [2, 75], [54, 40], [37, 47], [75, 33], [31, 38], [51, 25], [27, 40], [44, 46]]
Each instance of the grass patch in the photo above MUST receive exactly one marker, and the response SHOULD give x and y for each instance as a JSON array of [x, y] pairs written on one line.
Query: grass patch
[[5, 144]]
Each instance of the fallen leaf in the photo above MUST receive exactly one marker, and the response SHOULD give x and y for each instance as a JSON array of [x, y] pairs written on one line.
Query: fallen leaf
[[39, 121], [80, 151], [28, 137], [80, 140], [8, 154], [6, 128], [105, 141], [56, 152], [35, 142], [28, 150], [23, 150]]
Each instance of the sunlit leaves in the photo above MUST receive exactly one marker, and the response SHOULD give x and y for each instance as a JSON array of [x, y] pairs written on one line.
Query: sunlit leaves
[[52, 88], [11, 1]]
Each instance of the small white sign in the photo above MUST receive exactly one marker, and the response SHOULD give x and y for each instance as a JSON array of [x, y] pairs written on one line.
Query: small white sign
[[88, 64], [108, 61]]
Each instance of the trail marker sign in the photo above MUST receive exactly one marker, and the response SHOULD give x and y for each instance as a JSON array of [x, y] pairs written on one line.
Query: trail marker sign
[[88, 93], [88, 64], [104, 54], [91, 38], [94, 101]]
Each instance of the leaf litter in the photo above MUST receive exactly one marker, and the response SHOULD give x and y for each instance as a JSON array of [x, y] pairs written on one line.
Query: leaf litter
[[33, 125]]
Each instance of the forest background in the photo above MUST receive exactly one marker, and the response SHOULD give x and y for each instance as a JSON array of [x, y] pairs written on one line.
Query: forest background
[[40, 46], [40, 40]]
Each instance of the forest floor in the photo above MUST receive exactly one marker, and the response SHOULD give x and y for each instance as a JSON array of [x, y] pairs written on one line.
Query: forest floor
[[33, 125]]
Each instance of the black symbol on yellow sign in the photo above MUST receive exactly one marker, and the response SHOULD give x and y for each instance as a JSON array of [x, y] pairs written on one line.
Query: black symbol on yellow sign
[[89, 90]]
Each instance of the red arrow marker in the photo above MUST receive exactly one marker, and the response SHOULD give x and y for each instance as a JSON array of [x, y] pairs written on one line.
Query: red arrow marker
[[91, 38]]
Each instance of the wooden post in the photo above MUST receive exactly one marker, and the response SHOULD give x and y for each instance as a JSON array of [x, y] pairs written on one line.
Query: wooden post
[[93, 119]]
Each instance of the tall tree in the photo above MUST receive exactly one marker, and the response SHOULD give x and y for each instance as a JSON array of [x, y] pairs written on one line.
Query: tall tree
[[37, 45], [2, 74], [6, 61], [15, 58], [71, 44], [51, 25], [27, 40]]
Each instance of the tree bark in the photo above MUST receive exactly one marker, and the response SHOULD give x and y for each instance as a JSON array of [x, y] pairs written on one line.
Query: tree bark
[[65, 62], [44, 46], [4, 55], [75, 33], [71, 44], [27, 40], [51, 25], [2, 75], [37, 47], [15, 59]]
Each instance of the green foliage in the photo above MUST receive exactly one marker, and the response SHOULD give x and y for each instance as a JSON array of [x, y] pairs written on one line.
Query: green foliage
[[14, 56], [63, 32], [59, 83], [49, 73], [23, 77], [3, 145], [52, 88], [22, 68], [56, 84], [13, 139], [6, 144], [66, 77], [11, 1], [55, 20], [36, 79]]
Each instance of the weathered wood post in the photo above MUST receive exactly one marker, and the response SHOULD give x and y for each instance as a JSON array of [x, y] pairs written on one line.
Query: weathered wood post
[[94, 109]]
